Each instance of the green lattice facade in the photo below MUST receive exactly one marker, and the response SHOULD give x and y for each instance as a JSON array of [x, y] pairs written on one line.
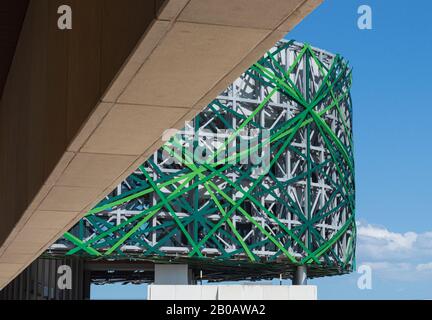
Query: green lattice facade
[[227, 215]]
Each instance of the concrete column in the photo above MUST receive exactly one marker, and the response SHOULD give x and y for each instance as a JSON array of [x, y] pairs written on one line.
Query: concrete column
[[300, 276], [173, 274]]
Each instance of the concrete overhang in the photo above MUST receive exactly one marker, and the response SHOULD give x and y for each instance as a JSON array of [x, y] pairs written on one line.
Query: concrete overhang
[[82, 108]]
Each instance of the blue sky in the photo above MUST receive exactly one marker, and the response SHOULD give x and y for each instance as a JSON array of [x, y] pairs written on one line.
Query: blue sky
[[393, 135]]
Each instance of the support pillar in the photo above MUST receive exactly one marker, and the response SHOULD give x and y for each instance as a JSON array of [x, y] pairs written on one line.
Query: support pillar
[[300, 276], [173, 274]]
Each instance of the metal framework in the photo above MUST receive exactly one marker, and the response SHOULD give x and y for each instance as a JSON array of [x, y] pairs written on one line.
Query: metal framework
[[224, 216]]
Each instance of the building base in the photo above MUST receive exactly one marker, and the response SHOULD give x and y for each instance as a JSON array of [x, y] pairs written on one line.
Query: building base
[[40, 281], [231, 292]]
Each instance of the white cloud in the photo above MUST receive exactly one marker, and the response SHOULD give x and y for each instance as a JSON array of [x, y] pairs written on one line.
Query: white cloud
[[388, 241], [394, 255], [389, 266], [424, 267], [424, 241]]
